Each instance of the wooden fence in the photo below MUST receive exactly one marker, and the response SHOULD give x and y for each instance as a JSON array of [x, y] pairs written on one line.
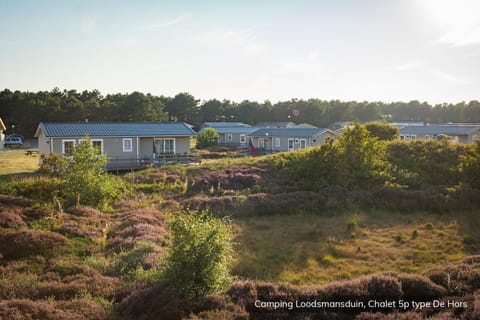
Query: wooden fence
[[119, 164]]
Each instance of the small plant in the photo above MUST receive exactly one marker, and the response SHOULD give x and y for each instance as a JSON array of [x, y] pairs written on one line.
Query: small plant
[[414, 234], [352, 225], [201, 251], [208, 138]]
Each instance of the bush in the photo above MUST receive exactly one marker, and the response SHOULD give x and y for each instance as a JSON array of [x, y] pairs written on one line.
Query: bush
[[208, 138], [86, 181], [23, 243], [200, 252]]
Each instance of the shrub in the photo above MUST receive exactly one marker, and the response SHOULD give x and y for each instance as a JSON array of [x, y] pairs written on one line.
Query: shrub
[[200, 252], [52, 164], [10, 219], [23, 243], [86, 181], [382, 131], [208, 138]]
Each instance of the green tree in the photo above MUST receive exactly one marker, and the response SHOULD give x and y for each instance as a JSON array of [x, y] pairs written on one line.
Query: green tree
[[86, 181], [361, 159], [470, 166], [382, 131], [208, 138], [200, 253]]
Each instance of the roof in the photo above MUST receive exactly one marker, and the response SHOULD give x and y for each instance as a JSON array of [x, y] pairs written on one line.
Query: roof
[[305, 125], [224, 124], [275, 124], [2, 126], [109, 129], [289, 132], [447, 129], [238, 129]]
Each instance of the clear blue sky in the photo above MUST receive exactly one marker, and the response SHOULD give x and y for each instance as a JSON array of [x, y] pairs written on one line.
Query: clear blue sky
[[375, 50]]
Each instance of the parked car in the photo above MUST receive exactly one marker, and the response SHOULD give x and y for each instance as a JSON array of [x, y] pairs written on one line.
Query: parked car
[[12, 141]]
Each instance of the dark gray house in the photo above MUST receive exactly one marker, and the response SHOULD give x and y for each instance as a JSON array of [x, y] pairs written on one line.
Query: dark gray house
[[235, 136], [125, 143], [288, 139], [463, 133]]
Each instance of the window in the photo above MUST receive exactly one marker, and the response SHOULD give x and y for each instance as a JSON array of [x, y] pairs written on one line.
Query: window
[[229, 137], [243, 138], [290, 144], [97, 144], [165, 146], [67, 147], [261, 143], [277, 142], [402, 137], [303, 143], [427, 137], [475, 137], [127, 145]]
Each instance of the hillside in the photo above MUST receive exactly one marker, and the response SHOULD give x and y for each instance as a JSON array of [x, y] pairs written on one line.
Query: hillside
[[296, 240]]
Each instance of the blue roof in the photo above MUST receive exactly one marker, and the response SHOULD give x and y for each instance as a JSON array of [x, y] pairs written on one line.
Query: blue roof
[[275, 124], [110, 129], [448, 129], [224, 124], [239, 130], [288, 132]]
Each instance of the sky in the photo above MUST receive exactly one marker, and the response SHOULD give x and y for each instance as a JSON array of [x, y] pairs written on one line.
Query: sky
[[373, 50]]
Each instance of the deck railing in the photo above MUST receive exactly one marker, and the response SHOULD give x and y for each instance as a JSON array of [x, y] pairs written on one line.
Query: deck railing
[[146, 162]]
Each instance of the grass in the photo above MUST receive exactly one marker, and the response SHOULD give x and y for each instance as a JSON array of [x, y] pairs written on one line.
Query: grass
[[16, 162], [313, 249]]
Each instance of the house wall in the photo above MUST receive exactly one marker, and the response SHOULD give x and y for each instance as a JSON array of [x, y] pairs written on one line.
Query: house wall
[[459, 138], [270, 143], [2, 140], [223, 139], [113, 146]]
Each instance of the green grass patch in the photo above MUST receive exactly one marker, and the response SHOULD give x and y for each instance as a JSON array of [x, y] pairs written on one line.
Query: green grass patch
[[313, 249], [16, 162]]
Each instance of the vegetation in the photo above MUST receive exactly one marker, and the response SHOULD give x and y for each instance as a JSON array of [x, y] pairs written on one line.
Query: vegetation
[[208, 138], [86, 180], [358, 218], [26, 109], [382, 131], [200, 254], [15, 162]]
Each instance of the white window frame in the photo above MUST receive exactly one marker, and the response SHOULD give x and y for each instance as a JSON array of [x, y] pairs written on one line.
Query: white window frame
[[293, 144], [229, 137], [277, 142], [427, 137], [303, 140], [98, 140], [131, 145], [243, 138], [261, 143], [63, 146], [163, 145], [91, 142]]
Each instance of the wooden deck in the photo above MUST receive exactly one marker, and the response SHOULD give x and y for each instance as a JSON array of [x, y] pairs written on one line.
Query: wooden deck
[[142, 163]]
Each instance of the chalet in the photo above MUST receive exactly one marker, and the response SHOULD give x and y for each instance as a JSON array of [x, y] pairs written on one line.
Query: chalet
[[2, 135], [305, 125], [288, 139], [126, 144], [223, 124], [235, 136], [463, 133]]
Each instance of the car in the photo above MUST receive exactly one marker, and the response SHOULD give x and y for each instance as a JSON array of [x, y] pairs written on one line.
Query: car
[[13, 141]]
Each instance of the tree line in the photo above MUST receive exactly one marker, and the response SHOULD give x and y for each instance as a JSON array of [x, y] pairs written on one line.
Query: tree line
[[25, 109]]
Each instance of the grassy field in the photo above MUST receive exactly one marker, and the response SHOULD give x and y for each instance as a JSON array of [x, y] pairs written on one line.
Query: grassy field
[[313, 249], [16, 162]]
